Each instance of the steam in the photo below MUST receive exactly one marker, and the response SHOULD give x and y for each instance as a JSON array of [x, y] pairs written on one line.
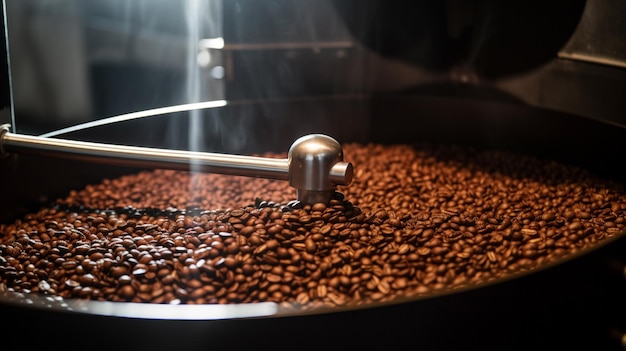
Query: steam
[[192, 13]]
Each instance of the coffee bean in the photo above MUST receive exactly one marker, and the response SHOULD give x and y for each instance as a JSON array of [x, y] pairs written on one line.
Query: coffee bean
[[318, 207]]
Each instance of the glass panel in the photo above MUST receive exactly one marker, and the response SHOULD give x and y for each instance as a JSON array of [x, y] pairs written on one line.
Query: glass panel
[[74, 61]]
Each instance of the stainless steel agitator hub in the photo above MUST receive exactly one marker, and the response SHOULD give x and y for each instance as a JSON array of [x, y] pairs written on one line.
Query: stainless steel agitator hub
[[314, 166]]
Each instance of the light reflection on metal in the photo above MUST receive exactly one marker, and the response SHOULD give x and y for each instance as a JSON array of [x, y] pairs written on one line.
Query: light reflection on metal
[[212, 43], [139, 114], [218, 44], [592, 59], [180, 311], [141, 310]]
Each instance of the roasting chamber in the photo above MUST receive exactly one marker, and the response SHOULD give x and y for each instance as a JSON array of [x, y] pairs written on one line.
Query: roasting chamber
[[184, 86]]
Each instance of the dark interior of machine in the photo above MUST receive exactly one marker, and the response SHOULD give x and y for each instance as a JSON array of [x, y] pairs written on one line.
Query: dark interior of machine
[[484, 74]]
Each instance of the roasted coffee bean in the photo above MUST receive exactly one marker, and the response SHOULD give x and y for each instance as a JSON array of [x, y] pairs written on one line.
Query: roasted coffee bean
[[417, 219]]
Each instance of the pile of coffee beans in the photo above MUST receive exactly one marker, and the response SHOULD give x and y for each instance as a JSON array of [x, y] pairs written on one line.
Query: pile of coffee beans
[[417, 220]]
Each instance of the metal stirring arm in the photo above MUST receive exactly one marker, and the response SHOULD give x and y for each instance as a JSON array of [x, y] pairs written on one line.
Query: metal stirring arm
[[314, 165]]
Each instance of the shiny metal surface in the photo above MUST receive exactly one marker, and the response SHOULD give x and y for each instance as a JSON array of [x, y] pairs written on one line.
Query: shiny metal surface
[[140, 310], [314, 165]]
